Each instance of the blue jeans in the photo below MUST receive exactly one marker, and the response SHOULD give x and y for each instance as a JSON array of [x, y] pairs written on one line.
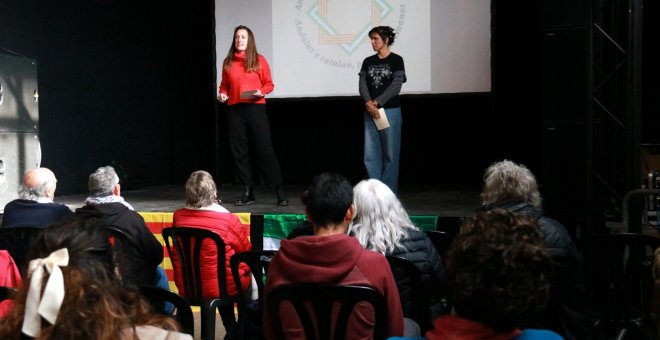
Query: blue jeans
[[161, 282], [382, 149]]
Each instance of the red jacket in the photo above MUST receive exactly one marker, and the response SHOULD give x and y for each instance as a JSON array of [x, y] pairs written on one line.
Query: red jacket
[[333, 259], [9, 277], [233, 232]]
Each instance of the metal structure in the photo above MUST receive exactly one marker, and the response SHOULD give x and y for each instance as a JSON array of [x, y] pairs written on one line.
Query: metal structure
[[614, 116], [20, 148]]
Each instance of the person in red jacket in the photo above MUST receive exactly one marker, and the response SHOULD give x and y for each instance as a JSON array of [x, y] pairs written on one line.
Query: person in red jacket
[[203, 211], [246, 81], [332, 256]]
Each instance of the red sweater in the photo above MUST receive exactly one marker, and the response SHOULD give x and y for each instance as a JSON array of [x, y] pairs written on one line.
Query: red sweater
[[235, 235], [237, 80]]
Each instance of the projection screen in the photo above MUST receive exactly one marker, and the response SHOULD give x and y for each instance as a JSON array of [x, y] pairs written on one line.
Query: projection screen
[[315, 47]]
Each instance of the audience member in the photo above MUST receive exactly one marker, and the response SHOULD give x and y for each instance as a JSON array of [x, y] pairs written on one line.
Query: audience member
[[74, 292], [513, 187], [139, 263], [10, 277], [382, 224], [202, 210], [331, 256], [498, 274], [35, 206]]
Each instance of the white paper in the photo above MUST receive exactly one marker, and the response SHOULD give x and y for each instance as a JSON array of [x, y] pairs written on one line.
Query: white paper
[[382, 122]]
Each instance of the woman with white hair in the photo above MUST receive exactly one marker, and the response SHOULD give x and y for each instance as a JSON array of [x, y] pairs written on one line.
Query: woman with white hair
[[382, 224]]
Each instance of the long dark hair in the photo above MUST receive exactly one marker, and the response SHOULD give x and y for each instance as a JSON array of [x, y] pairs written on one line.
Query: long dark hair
[[251, 55], [96, 304]]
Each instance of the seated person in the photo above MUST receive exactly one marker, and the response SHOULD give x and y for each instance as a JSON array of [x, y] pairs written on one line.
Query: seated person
[[393, 234], [138, 263], [74, 292], [331, 256], [203, 211], [35, 206], [513, 187], [498, 273]]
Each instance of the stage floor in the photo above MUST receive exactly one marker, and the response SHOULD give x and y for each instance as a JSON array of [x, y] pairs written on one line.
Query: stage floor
[[418, 201]]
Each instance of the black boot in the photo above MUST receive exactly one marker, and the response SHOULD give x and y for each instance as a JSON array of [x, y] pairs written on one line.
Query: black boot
[[281, 196], [247, 197]]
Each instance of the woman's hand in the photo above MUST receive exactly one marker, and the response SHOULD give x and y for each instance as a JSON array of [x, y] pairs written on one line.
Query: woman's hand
[[372, 107], [223, 97]]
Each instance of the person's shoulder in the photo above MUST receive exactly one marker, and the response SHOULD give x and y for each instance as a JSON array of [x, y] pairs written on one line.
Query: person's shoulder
[[262, 58], [371, 58], [19, 202], [373, 257], [153, 332], [538, 334]]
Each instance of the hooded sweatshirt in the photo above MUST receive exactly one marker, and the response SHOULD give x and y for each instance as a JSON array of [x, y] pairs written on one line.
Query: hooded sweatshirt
[[334, 259]]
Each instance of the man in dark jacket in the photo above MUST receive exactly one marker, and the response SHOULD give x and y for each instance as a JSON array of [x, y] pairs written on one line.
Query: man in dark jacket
[[513, 187], [35, 206], [139, 261]]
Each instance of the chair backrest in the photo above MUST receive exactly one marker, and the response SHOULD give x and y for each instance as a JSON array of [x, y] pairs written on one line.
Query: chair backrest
[[418, 301], [322, 298], [441, 241], [122, 244], [617, 273], [187, 242], [408, 279], [182, 313], [18, 242], [257, 261]]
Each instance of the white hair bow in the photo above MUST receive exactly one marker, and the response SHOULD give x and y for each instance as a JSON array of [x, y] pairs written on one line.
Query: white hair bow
[[46, 305]]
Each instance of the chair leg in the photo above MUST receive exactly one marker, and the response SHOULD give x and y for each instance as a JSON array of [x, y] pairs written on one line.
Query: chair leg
[[208, 319]]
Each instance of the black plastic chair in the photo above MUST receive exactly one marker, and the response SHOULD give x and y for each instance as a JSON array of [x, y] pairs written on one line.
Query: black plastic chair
[[441, 241], [323, 298], [188, 244], [182, 312], [408, 279], [420, 301], [18, 242], [618, 283], [257, 261]]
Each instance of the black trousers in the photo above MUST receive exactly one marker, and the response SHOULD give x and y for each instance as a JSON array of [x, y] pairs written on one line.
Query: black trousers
[[249, 132]]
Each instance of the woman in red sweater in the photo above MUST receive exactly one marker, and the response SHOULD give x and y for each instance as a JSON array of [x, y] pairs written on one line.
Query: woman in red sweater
[[246, 81], [203, 211]]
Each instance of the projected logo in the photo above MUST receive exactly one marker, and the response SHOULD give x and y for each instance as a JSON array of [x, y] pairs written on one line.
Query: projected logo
[[328, 34]]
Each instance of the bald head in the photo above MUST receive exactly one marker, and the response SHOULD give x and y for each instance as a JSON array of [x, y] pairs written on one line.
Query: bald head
[[38, 183]]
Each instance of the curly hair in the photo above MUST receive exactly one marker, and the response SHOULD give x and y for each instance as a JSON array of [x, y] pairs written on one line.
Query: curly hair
[[498, 269], [201, 190], [506, 180], [96, 304], [380, 220]]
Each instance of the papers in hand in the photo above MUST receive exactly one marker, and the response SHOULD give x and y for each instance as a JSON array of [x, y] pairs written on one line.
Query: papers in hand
[[249, 94], [382, 122]]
